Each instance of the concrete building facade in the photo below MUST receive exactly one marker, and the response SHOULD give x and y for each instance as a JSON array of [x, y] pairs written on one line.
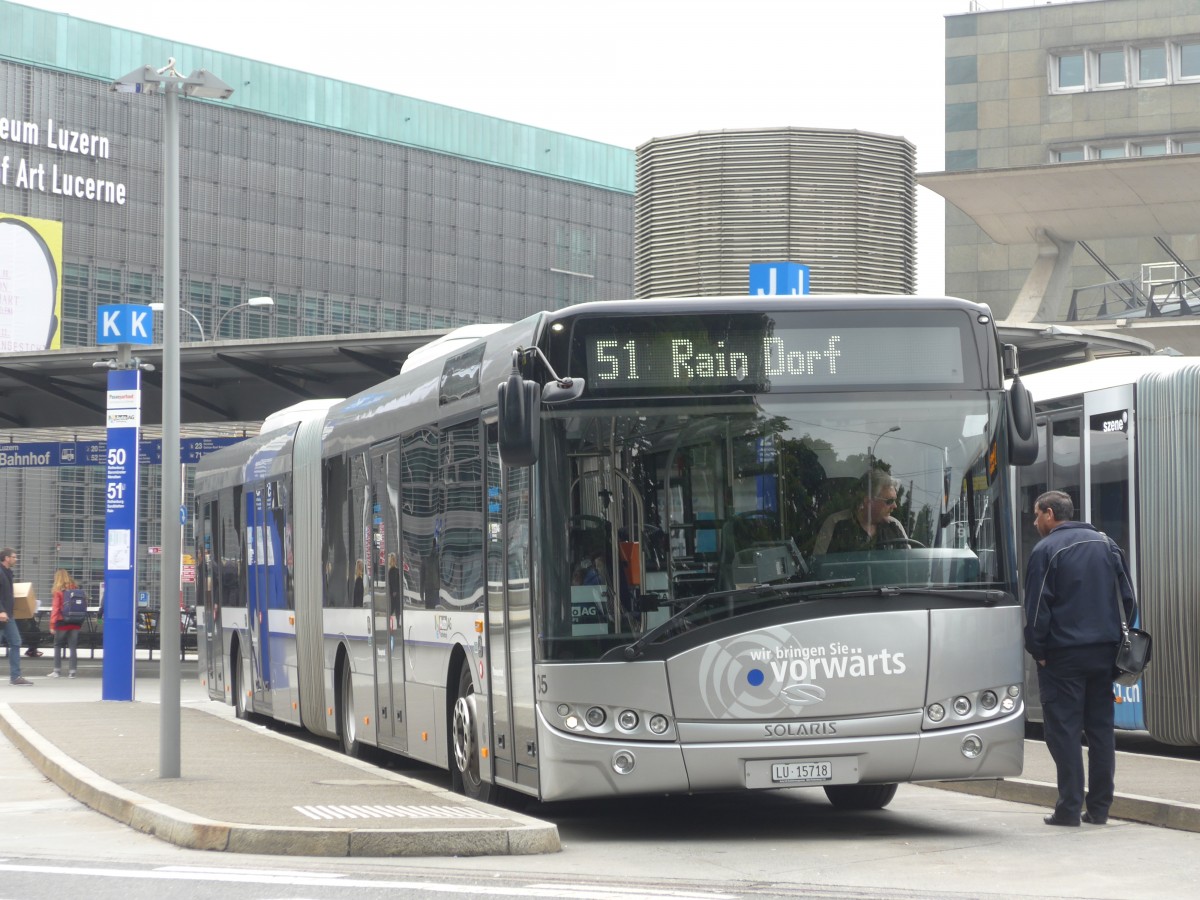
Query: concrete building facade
[[1109, 85], [355, 209]]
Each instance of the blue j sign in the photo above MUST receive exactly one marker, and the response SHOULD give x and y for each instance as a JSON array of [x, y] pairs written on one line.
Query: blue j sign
[[778, 279], [124, 323]]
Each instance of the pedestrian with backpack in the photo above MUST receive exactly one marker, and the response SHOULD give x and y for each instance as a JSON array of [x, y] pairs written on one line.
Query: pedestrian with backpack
[[67, 613]]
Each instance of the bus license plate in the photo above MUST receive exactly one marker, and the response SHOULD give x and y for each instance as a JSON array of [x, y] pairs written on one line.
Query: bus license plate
[[813, 770]]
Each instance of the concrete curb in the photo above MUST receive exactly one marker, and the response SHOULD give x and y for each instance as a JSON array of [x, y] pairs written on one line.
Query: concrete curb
[[1129, 807], [183, 829]]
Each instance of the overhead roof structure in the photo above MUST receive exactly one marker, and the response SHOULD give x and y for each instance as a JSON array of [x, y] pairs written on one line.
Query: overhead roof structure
[[245, 381], [220, 381], [1044, 347], [1089, 200], [1059, 205], [1078, 201]]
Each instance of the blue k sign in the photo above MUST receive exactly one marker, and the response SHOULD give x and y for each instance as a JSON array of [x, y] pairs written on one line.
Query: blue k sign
[[124, 323]]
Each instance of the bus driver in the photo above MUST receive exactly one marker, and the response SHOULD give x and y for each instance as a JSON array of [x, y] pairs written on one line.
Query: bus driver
[[869, 523]]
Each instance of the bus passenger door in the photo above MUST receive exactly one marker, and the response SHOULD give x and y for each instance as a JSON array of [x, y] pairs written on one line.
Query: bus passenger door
[[510, 625], [208, 604], [388, 608], [257, 598]]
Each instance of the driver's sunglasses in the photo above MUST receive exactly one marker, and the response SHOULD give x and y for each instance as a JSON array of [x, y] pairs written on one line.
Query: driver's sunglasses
[[890, 501]]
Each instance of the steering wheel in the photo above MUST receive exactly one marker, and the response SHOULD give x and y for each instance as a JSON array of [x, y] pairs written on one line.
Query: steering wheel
[[902, 542]]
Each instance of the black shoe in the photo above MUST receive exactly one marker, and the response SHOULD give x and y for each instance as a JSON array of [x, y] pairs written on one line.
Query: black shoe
[[20, 681], [1055, 820], [34, 653], [1094, 820]]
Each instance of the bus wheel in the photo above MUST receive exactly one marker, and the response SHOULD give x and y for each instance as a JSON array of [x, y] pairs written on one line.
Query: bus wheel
[[239, 693], [347, 720], [860, 796], [464, 772]]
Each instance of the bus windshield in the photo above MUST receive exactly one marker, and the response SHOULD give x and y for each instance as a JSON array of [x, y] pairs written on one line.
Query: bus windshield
[[842, 492]]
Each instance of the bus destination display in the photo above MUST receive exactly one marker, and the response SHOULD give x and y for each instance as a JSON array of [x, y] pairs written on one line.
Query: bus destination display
[[688, 358]]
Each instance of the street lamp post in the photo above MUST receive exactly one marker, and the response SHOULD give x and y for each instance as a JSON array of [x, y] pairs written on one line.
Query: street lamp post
[[200, 84], [253, 301]]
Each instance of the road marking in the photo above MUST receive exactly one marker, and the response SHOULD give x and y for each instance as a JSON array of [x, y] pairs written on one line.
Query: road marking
[[325, 813], [552, 891]]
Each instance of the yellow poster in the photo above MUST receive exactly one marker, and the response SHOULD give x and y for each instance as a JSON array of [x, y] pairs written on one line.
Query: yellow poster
[[30, 284]]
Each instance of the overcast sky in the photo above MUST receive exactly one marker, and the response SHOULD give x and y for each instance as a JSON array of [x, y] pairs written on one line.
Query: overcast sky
[[617, 71]]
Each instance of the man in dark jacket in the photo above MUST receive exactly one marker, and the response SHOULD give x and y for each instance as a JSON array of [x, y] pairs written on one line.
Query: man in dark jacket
[[1075, 578], [8, 624]]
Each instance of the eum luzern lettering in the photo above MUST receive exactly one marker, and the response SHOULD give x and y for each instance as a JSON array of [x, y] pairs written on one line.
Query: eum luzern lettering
[[66, 140]]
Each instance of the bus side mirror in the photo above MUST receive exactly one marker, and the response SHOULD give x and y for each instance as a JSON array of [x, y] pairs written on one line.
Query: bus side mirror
[[563, 391], [520, 412], [1022, 429]]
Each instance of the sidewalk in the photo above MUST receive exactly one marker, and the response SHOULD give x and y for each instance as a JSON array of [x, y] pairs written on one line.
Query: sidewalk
[[1155, 790], [249, 789]]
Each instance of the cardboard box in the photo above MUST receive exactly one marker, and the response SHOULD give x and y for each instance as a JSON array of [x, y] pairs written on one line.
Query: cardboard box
[[26, 601]]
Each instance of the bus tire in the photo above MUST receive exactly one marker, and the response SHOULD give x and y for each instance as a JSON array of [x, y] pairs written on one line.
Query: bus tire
[[239, 691], [465, 776], [347, 718], [860, 796]]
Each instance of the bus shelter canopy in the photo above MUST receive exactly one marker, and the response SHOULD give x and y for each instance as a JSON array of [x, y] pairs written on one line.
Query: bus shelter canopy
[[220, 381]]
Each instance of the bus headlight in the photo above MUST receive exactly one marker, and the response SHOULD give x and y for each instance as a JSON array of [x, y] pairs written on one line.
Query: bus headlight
[[936, 712], [1008, 704], [972, 746], [988, 700], [962, 706], [627, 720], [595, 716], [659, 724]]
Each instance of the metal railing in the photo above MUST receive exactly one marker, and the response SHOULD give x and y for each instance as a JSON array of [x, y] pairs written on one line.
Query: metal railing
[[1125, 299]]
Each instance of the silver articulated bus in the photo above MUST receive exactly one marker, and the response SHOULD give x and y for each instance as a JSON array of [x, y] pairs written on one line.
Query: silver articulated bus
[[643, 547], [1118, 436]]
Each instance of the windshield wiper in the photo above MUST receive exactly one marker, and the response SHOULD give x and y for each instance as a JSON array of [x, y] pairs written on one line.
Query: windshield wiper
[[986, 597], [762, 591]]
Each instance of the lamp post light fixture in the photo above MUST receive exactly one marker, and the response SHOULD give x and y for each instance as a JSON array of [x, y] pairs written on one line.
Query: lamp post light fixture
[[253, 301], [200, 84], [158, 307]]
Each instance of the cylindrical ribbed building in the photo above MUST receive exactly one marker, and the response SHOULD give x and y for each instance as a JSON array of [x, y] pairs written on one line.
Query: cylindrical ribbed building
[[709, 204]]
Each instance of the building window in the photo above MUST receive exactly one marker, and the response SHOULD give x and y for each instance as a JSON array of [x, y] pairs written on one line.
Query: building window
[[75, 275], [1152, 64], [1068, 72], [1157, 146], [1110, 68], [1189, 60], [1130, 65]]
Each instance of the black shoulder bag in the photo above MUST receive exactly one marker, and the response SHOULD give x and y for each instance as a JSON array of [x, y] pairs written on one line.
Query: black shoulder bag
[[1133, 653]]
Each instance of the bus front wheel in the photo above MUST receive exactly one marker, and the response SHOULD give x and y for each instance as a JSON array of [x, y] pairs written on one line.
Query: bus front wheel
[[465, 776], [860, 796]]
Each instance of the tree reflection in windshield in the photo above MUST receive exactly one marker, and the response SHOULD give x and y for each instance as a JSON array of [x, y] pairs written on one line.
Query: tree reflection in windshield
[[669, 505]]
